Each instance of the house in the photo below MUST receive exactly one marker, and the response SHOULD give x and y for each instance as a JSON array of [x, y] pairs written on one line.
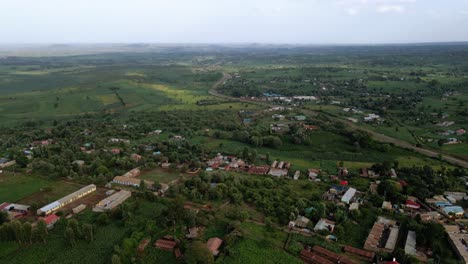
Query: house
[[78, 162], [354, 206], [135, 157], [277, 117], [310, 127], [119, 140], [279, 128], [259, 170], [115, 151], [278, 172], [165, 165], [213, 245], [297, 174], [6, 163], [457, 196], [300, 118], [48, 209], [383, 236], [387, 205], [194, 232], [79, 208], [393, 173], [279, 168], [348, 196], [324, 224], [430, 216], [164, 244], [301, 221], [112, 201], [343, 172], [456, 211], [363, 172], [412, 205], [155, 132], [460, 132], [143, 244], [132, 173], [50, 220], [313, 173], [410, 247]]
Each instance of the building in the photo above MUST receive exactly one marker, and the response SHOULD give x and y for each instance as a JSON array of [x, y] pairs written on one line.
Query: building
[[133, 182], [354, 206], [458, 241], [311, 257], [133, 173], [297, 174], [430, 216], [214, 244], [79, 208], [387, 205], [164, 244], [336, 258], [383, 236], [54, 206], [412, 205], [348, 196], [313, 173], [259, 170], [369, 256], [324, 224], [410, 247], [279, 168], [112, 201], [455, 210], [143, 244], [6, 163], [301, 221], [50, 220]]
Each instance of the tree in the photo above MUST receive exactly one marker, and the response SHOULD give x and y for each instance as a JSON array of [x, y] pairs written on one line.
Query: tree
[[3, 217], [198, 253], [103, 219], [88, 232], [116, 259], [73, 224], [70, 236], [142, 185], [41, 230], [27, 232]]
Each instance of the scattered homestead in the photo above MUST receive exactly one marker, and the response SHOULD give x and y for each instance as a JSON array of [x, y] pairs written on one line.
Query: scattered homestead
[[48, 209], [112, 201]]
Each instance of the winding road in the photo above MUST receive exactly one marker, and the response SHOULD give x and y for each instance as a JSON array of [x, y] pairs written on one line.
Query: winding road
[[376, 136]]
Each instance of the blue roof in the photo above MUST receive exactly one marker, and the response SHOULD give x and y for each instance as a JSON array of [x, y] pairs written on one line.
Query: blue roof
[[442, 204], [453, 209]]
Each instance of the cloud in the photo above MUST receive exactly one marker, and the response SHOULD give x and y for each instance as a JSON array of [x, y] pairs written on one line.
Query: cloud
[[391, 9], [463, 12], [352, 11]]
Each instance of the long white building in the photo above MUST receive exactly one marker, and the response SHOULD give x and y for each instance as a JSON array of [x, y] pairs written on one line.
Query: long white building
[[48, 209]]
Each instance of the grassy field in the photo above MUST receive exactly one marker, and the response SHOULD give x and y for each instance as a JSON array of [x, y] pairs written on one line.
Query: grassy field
[[161, 175], [259, 246], [55, 190], [16, 187]]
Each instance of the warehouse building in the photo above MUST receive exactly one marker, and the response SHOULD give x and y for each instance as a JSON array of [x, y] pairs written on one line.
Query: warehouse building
[[112, 201], [54, 206]]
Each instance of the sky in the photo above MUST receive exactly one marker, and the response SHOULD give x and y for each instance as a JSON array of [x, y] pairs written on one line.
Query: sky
[[233, 21]]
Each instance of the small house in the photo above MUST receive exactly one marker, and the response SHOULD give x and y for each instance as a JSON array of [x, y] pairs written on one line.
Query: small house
[[214, 244]]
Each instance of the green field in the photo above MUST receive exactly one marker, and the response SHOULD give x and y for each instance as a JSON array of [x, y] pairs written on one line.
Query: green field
[[16, 187]]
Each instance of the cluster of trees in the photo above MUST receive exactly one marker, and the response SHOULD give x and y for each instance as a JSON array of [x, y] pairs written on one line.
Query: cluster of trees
[[23, 233], [74, 232]]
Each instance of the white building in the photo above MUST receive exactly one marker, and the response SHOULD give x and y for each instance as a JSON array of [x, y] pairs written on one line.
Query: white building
[[348, 195], [48, 209]]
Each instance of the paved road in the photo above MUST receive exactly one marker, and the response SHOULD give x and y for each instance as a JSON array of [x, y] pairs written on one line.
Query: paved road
[[376, 136]]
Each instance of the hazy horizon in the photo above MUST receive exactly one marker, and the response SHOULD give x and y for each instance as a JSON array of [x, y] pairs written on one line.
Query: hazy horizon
[[297, 22]]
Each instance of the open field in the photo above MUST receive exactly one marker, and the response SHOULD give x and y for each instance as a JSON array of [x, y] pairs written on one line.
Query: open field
[[14, 188], [161, 175]]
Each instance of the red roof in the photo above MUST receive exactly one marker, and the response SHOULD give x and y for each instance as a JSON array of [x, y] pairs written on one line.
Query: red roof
[[344, 183], [412, 204], [364, 253], [165, 244], [213, 245], [50, 219], [310, 257], [3, 206]]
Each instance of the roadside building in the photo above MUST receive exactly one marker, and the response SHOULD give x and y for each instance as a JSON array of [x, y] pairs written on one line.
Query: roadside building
[[54, 206]]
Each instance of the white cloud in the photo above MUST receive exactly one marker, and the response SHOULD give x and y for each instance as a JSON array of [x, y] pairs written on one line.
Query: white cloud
[[391, 9], [352, 11]]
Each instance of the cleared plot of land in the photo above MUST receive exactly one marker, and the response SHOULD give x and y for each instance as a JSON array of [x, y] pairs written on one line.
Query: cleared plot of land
[[54, 191], [19, 186], [161, 175]]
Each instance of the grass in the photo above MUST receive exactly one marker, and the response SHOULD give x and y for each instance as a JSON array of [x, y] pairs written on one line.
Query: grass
[[259, 246], [55, 190], [161, 175], [19, 186]]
